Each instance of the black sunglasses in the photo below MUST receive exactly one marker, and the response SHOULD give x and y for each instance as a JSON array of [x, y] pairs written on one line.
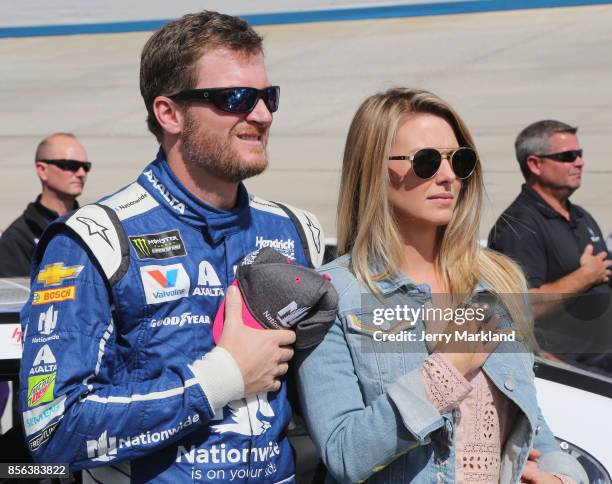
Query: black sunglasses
[[233, 99], [564, 157], [69, 165], [427, 161]]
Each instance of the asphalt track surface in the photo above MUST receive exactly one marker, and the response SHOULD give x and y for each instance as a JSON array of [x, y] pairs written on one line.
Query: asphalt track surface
[[501, 70]]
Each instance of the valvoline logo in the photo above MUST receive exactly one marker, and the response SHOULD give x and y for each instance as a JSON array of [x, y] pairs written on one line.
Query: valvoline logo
[[165, 279], [164, 283]]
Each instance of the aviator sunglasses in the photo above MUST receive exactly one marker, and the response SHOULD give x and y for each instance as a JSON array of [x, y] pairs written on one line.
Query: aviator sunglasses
[[69, 165], [427, 161], [233, 99], [564, 157]]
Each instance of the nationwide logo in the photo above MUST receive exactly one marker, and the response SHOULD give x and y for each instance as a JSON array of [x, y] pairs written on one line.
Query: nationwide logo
[[208, 281], [131, 203], [165, 193], [285, 247], [105, 448], [40, 389], [47, 321], [183, 319], [38, 418], [247, 417], [46, 325], [54, 295], [164, 283], [40, 439], [56, 274], [163, 245], [290, 313], [44, 362]]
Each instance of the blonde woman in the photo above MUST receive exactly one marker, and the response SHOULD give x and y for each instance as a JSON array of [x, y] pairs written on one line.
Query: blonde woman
[[381, 403]]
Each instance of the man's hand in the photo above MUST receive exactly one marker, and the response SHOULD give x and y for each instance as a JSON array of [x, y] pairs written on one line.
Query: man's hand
[[595, 268], [532, 474], [261, 355]]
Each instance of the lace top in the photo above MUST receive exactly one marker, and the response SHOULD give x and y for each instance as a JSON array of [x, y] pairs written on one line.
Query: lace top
[[484, 418]]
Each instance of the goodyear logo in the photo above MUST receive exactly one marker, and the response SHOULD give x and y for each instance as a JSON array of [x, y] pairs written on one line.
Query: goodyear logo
[[40, 388], [163, 245], [54, 295], [55, 274]]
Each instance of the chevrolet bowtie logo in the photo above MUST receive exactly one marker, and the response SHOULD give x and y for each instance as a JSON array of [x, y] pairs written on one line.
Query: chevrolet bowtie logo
[[55, 274]]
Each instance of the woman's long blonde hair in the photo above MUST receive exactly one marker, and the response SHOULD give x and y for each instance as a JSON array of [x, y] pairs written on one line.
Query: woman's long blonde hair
[[367, 228]]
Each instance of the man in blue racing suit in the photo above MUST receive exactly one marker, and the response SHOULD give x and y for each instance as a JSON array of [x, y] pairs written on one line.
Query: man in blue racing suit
[[120, 375]]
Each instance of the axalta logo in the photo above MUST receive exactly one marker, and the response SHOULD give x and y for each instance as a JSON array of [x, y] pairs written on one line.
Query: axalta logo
[[56, 274], [105, 448], [252, 416], [165, 193], [284, 246], [164, 283], [54, 295], [38, 418], [44, 362], [183, 319], [209, 283]]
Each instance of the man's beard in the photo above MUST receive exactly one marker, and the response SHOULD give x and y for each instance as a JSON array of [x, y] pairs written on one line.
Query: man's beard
[[215, 155]]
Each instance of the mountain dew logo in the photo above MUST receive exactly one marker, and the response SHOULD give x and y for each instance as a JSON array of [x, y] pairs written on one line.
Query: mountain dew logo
[[40, 389]]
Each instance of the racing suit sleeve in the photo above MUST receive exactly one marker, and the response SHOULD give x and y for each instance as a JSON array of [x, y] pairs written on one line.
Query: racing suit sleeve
[[80, 403]]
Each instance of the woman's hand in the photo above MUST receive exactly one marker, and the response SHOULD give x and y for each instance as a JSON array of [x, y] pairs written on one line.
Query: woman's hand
[[466, 356], [532, 474]]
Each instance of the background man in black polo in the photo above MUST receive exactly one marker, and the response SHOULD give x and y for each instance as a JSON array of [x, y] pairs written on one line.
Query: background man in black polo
[[559, 246], [62, 166]]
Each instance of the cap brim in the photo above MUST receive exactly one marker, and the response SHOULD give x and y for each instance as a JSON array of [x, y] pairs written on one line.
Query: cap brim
[[247, 317]]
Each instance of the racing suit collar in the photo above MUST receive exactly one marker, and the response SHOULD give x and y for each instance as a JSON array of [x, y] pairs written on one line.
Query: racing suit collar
[[160, 181]]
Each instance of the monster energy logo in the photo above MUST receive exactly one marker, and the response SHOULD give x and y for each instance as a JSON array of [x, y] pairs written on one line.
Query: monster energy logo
[[163, 245]]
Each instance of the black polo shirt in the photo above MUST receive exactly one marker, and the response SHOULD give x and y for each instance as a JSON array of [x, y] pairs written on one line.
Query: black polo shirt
[[548, 247], [542, 241]]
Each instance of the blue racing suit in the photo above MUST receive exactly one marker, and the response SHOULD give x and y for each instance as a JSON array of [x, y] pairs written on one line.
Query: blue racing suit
[[120, 375]]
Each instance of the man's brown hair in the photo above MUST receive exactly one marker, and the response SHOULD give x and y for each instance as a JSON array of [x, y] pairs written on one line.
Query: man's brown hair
[[167, 63]]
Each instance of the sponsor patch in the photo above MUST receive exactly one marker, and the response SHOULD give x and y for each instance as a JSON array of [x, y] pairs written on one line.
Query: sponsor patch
[[163, 245], [54, 295], [56, 274], [209, 283], [40, 389], [38, 418], [41, 438], [284, 246], [164, 283], [181, 320]]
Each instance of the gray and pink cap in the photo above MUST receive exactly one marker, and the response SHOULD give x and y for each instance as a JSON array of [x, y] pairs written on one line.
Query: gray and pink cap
[[277, 294]]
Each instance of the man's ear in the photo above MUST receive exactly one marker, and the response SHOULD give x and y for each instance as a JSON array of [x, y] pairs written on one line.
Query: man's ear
[[41, 170], [534, 164], [168, 114]]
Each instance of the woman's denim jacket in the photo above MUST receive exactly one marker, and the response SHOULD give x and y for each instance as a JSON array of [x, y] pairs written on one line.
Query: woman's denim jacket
[[366, 407]]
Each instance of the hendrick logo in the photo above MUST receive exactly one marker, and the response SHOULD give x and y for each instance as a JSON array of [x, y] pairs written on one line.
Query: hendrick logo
[[175, 203], [284, 246], [163, 245]]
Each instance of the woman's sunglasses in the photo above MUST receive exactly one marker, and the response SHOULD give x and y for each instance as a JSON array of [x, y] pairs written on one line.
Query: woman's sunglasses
[[426, 162], [69, 165], [238, 100]]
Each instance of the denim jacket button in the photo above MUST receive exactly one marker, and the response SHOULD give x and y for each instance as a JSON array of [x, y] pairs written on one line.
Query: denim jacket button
[[509, 384], [537, 430]]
